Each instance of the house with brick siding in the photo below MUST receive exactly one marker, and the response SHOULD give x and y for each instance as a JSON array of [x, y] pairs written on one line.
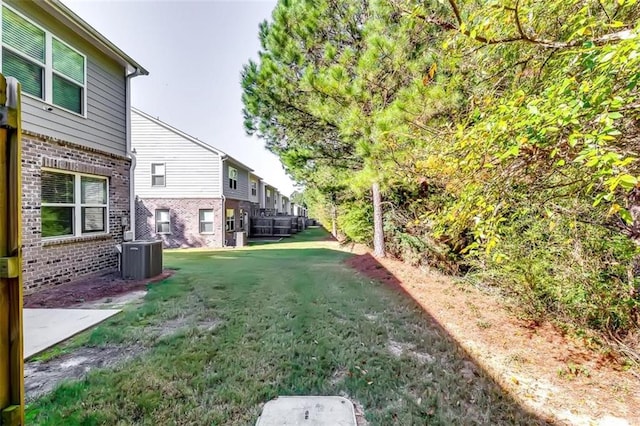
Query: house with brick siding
[[188, 193], [76, 157]]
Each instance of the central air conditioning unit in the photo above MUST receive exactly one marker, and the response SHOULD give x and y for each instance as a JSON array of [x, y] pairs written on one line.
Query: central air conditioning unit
[[141, 259]]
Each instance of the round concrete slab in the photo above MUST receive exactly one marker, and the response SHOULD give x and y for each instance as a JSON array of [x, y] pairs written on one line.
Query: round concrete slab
[[308, 411]]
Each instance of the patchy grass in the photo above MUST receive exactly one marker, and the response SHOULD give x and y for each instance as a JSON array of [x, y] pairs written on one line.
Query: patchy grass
[[233, 329]]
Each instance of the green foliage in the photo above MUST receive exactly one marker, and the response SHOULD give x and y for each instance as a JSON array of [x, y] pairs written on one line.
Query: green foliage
[[563, 268], [355, 218], [504, 136]]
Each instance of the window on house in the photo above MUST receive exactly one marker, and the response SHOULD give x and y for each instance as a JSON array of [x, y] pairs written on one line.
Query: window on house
[[46, 67], [163, 221], [268, 198], [73, 204], [206, 221], [231, 220], [254, 188], [158, 171], [233, 178], [241, 220]]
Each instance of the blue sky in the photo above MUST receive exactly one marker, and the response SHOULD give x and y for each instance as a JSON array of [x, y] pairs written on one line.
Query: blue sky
[[194, 52]]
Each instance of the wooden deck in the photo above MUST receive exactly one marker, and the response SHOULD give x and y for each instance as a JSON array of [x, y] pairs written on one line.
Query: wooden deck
[[275, 226]]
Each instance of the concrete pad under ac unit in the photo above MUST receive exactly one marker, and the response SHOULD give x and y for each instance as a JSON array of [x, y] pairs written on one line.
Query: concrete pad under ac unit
[[308, 411]]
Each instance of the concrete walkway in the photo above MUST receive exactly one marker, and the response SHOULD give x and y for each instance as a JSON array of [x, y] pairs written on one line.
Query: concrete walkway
[[44, 328]]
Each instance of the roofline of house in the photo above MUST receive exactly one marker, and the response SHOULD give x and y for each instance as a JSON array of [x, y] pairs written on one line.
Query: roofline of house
[[60, 8], [239, 163], [223, 155]]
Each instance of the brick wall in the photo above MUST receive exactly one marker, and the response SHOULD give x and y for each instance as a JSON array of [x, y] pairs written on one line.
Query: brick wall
[[236, 205], [49, 262], [185, 221]]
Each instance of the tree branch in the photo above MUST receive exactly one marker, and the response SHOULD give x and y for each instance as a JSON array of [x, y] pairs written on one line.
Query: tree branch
[[522, 34]]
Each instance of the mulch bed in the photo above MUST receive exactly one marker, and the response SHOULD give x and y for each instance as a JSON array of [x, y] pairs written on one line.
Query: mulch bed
[[88, 289]]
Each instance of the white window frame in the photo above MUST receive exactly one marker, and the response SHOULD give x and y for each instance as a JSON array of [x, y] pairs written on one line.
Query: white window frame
[[48, 65], [201, 221], [156, 222], [241, 220], [78, 205], [230, 220], [164, 175], [233, 181], [268, 198], [254, 188]]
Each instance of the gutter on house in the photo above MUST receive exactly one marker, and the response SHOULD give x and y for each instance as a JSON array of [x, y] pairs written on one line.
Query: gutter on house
[[131, 153], [223, 158]]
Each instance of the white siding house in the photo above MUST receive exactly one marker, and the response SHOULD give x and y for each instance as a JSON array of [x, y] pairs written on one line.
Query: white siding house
[[190, 170], [188, 193]]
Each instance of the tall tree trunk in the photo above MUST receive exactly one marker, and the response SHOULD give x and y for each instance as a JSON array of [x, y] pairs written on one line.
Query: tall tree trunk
[[378, 230], [334, 221]]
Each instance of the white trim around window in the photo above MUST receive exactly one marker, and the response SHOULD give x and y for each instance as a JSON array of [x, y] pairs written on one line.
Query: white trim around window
[[163, 221], [158, 174], [233, 178], [205, 219], [63, 76], [230, 220], [73, 204]]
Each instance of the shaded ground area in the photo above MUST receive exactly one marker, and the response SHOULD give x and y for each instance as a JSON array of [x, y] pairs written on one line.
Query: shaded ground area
[[547, 370], [87, 289], [278, 319]]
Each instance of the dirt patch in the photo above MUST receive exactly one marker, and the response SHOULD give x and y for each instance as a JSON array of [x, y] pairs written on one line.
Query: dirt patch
[[175, 325], [546, 370], [42, 377], [88, 289], [399, 349]]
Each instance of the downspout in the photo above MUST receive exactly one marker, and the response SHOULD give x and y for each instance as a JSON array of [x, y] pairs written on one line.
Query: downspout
[[131, 154], [224, 202]]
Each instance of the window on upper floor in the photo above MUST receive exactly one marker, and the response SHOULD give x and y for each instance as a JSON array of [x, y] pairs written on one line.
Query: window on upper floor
[[163, 221], [158, 174], [45, 66], [254, 188], [73, 204], [206, 221], [233, 178], [268, 197]]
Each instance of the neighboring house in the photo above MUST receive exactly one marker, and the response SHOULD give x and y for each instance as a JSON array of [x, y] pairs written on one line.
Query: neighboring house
[[188, 193], [75, 164], [256, 197], [270, 199]]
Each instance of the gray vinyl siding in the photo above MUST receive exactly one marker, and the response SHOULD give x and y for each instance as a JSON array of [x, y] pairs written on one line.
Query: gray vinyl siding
[[242, 190], [192, 171], [274, 195], [104, 127], [262, 194], [254, 198]]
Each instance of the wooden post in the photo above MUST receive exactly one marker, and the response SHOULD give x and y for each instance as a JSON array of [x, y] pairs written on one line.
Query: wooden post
[[11, 339]]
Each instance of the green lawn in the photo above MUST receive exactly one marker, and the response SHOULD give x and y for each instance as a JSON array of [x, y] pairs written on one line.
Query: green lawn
[[243, 326]]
